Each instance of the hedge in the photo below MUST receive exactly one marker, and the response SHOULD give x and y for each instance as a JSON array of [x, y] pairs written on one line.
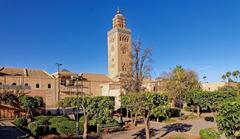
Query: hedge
[[43, 120], [209, 133]]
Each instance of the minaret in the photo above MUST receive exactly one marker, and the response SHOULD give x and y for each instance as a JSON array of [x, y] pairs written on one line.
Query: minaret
[[119, 47]]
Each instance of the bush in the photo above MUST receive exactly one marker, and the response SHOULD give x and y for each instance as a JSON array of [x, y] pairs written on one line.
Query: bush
[[20, 121], [209, 133], [43, 120], [38, 129], [173, 112], [57, 119], [66, 128]]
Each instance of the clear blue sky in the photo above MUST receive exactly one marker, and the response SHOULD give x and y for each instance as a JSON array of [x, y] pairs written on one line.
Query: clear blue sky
[[203, 35]]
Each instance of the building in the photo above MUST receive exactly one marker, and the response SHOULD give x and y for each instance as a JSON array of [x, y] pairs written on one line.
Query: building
[[119, 48], [33, 82], [64, 84]]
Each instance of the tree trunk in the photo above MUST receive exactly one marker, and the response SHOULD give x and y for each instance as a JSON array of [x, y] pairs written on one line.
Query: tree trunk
[[135, 120], [198, 111], [98, 129], [85, 126], [63, 110], [127, 112], [146, 122], [131, 117], [214, 115]]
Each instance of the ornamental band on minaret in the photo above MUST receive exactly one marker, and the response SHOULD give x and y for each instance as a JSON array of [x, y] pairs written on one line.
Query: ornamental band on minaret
[[119, 47]]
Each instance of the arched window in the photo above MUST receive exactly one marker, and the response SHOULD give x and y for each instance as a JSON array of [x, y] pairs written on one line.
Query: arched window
[[49, 86], [37, 85], [26, 84], [124, 50], [14, 84], [124, 67]]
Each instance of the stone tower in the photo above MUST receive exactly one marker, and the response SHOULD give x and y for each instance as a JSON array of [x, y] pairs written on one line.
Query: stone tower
[[119, 48]]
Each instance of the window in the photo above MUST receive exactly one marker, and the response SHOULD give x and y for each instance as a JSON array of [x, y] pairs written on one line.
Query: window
[[14, 84], [124, 67], [49, 85], [26, 84], [124, 50], [37, 85]]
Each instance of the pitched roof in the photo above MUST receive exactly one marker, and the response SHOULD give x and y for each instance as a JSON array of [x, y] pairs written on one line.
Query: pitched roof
[[96, 77], [24, 72]]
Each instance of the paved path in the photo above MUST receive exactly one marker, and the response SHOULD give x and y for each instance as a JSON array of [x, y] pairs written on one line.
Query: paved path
[[9, 131], [163, 130]]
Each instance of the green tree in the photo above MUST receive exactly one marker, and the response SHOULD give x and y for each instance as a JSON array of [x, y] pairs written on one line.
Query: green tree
[[212, 100], [101, 110], [29, 103], [236, 74], [224, 77], [228, 75], [131, 103], [228, 118], [148, 105]]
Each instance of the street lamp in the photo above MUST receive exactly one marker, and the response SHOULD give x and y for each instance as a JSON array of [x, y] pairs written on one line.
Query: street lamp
[[58, 68], [77, 79]]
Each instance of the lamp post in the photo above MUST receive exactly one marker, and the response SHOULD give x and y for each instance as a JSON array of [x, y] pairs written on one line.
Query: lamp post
[[77, 79], [58, 68]]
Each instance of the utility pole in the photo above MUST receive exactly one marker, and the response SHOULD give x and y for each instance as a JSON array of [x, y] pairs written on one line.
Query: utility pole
[[59, 81]]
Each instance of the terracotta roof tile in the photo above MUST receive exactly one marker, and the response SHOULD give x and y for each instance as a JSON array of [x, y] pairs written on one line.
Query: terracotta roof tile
[[25, 72]]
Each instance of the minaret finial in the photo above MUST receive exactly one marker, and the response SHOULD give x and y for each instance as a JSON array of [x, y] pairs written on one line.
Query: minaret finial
[[118, 10]]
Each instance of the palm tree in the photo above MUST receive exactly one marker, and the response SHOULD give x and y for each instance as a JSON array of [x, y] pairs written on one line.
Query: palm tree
[[224, 77], [228, 76], [236, 74], [204, 78]]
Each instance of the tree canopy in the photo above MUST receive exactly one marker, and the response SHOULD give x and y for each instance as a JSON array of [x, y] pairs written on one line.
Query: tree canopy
[[179, 81]]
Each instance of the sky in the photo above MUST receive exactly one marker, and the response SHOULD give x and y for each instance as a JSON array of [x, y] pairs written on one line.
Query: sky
[[201, 35]]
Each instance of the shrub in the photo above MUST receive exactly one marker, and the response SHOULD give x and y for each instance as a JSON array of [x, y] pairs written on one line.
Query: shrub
[[43, 120], [173, 112], [57, 119], [228, 118], [38, 129], [20, 121], [66, 128], [209, 133]]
